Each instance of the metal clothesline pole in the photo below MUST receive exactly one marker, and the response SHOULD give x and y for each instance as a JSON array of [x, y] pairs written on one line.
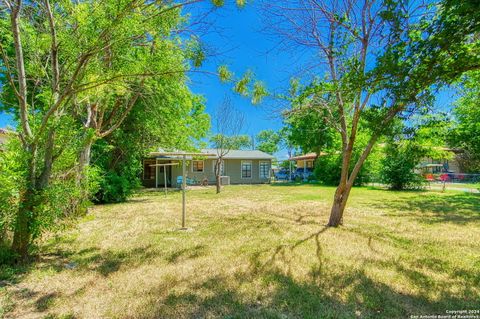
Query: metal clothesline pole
[[183, 157], [184, 186]]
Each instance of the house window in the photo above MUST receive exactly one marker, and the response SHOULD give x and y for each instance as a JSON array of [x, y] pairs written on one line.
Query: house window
[[264, 170], [222, 167], [148, 169], [246, 169], [309, 164], [197, 166]]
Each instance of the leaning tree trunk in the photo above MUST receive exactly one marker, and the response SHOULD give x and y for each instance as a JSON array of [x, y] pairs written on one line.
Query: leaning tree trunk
[[346, 182], [339, 202], [343, 190]]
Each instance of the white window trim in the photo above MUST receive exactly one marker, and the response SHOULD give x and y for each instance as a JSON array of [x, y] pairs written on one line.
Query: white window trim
[[203, 167], [251, 169], [222, 165], [260, 171]]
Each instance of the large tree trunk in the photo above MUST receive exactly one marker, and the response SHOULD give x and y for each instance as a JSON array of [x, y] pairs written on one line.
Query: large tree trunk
[[22, 235], [346, 182], [26, 215], [339, 202]]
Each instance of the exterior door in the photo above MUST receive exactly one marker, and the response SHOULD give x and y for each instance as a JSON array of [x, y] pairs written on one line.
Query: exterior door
[[164, 172]]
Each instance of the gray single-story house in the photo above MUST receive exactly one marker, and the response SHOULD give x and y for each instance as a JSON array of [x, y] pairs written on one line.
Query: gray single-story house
[[238, 167]]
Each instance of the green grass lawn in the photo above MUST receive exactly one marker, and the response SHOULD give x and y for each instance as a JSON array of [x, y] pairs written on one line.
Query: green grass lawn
[[258, 252]]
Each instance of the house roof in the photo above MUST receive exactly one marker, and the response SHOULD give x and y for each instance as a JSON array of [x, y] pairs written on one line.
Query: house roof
[[212, 152], [308, 156], [240, 154]]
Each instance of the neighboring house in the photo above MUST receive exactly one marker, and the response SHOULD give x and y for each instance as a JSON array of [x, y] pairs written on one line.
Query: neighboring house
[[240, 167], [427, 165], [305, 160], [305, 164], [437, 166]]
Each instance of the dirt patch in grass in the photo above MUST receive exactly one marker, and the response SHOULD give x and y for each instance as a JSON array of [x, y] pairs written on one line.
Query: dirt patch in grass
[[257, 252]]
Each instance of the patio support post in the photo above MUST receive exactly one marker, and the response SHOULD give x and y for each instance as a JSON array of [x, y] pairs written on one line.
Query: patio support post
[[184, 186], [290, 170], [304, 170], [156, 173], [165, 179]]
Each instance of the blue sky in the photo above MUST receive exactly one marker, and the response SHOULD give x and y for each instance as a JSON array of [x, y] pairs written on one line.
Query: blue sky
[[238, 41], [5, 120], [242, 46]]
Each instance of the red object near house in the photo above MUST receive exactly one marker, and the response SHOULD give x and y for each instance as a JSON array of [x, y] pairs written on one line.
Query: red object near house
[[429, 177]]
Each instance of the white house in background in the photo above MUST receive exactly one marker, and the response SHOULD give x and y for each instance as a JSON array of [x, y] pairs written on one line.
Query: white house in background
[[443, 165], [238, 167]]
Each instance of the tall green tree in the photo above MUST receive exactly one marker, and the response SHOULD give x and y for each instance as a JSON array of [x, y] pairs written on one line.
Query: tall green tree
[[378, 60], [306, 126], [269, 141], [120, 154], [72, 71], [465, 133]]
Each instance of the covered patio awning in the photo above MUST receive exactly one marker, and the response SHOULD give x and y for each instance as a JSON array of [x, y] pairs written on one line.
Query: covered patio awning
[[180, 155], [429, 165], [308, 156]]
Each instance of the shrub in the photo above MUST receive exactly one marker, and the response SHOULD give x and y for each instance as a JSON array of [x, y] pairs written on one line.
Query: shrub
[[399, 164], [328, 170], [62, 198], [12, 170], [114, 188]]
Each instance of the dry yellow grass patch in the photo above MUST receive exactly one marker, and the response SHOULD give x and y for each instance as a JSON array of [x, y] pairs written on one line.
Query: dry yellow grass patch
[[258, 252]]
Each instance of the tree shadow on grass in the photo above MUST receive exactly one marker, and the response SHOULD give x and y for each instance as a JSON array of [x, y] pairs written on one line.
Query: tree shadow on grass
[[186, 253], [296, 218], [428, 208], [351, 295], [104, 262], [45, 301], [91, 259], [300, 184], [269, 288]]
